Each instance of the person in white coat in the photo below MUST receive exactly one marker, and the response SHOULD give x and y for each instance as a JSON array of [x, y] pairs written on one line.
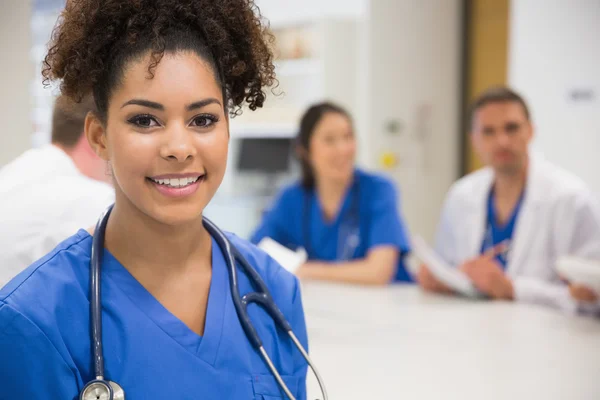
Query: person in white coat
[[48, 193], [507, 224]]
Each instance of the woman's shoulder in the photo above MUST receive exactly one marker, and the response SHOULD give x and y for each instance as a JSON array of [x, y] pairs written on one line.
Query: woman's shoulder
[[288, 198], [48, 282], [291, 192], [374, 182]]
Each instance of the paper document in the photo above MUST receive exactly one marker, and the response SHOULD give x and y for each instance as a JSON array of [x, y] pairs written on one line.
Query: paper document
[[288, 259], [580, 271], [447, 274]]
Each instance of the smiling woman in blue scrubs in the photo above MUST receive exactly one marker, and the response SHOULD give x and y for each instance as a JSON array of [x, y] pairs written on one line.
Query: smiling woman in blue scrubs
[[346, 219], [165, 74]]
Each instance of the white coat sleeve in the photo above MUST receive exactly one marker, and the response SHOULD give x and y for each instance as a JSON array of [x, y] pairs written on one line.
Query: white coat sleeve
[[82, 213], [445, 244], [576, 232]]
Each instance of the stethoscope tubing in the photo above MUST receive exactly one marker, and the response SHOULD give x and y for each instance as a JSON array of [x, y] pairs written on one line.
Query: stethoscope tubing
[[262, 297]]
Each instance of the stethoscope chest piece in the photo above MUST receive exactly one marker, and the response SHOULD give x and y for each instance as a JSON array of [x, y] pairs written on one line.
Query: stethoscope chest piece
[[102, 390]]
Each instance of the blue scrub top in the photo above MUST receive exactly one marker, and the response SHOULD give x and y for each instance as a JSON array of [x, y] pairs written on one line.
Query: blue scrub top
[[496, 233], [45, 333], [379, 222]]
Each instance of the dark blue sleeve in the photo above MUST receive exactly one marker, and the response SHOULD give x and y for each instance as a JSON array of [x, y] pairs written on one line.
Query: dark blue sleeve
[[386, 226], [30, 365], [275, 221]]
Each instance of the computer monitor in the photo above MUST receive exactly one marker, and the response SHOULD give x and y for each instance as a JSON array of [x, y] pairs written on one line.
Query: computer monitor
[[265, 155]]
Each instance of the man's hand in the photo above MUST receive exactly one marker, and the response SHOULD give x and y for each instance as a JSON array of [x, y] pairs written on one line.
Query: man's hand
[[487, 275], [429, 283], [583, 294]]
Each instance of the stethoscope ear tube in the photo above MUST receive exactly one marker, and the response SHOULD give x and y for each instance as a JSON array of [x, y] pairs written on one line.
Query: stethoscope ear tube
[[96, 294], [230, 259], [263, 296]]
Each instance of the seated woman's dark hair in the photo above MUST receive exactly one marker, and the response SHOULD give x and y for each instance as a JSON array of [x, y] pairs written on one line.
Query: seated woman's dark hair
[[94, 40], [308, 123]]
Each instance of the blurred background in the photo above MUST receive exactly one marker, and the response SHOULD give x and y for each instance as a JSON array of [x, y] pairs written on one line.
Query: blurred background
[[404, 69]]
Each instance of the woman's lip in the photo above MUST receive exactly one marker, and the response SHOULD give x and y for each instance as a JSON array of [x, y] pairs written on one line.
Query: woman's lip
[[177, 176], [177, 192]]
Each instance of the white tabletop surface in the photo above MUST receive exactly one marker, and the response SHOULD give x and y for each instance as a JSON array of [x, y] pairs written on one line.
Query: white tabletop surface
[[400, 343]]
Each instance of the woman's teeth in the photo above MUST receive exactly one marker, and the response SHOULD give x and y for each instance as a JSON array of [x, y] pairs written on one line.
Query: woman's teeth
[[176, 182]]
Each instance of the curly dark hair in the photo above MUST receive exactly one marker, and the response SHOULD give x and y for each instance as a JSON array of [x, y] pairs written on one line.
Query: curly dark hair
[[94, 40]]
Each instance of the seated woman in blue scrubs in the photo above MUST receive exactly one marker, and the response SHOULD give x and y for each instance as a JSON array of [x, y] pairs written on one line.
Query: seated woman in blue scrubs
[[346, 219], [165, 74]]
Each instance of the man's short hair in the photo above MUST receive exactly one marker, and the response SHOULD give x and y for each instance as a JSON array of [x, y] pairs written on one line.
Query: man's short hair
[[497, 94], [68, 119]]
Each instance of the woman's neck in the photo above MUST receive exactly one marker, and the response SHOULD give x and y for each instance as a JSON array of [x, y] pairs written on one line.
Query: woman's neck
[[148, 247], [331, 194]]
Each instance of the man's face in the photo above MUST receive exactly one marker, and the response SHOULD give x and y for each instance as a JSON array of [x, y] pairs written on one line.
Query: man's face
[[500, 135]]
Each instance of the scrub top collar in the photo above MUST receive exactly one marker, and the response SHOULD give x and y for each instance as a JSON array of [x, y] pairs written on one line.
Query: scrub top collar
[[205, 347]]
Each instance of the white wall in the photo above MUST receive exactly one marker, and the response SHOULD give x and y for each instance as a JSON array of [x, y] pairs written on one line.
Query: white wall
[[15, 78], [413, 79], [555, 62], [289, 11]]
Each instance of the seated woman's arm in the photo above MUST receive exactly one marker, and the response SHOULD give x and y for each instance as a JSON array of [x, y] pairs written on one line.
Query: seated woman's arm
[[377, 268]]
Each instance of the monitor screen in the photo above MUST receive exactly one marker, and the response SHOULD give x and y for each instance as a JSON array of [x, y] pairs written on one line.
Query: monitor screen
[[267, 155]]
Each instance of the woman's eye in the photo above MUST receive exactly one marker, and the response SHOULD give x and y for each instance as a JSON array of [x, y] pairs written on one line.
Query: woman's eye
[[204, 121], [144, 121]]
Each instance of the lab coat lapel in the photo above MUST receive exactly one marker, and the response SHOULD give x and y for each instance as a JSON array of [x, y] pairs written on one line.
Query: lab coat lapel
[[476, 216], [527, 221]]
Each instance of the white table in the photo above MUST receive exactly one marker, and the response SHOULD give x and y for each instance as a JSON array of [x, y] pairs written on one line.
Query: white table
[[400, 343]]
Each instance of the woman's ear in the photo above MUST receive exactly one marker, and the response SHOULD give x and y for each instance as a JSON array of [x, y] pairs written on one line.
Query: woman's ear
[[96, 135]]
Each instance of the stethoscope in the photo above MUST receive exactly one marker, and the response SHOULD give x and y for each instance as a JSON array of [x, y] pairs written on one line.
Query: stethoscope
[[488, 243], [349, 232], [102, 389], [488, 238]]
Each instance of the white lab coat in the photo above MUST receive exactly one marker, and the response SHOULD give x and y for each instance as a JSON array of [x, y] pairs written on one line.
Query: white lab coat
[[559, 216], [44, 199]]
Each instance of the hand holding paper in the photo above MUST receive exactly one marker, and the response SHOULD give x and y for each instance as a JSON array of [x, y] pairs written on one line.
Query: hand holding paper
[[429, 282], [580, 271], [583, 277], [446, 274], [488, 277]]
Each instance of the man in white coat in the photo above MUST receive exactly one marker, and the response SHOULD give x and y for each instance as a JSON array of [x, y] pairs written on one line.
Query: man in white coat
[[506, 225], [48, 193]]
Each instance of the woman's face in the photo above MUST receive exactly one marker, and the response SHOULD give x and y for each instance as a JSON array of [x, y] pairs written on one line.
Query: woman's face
[[332, 148], [166, 138]]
